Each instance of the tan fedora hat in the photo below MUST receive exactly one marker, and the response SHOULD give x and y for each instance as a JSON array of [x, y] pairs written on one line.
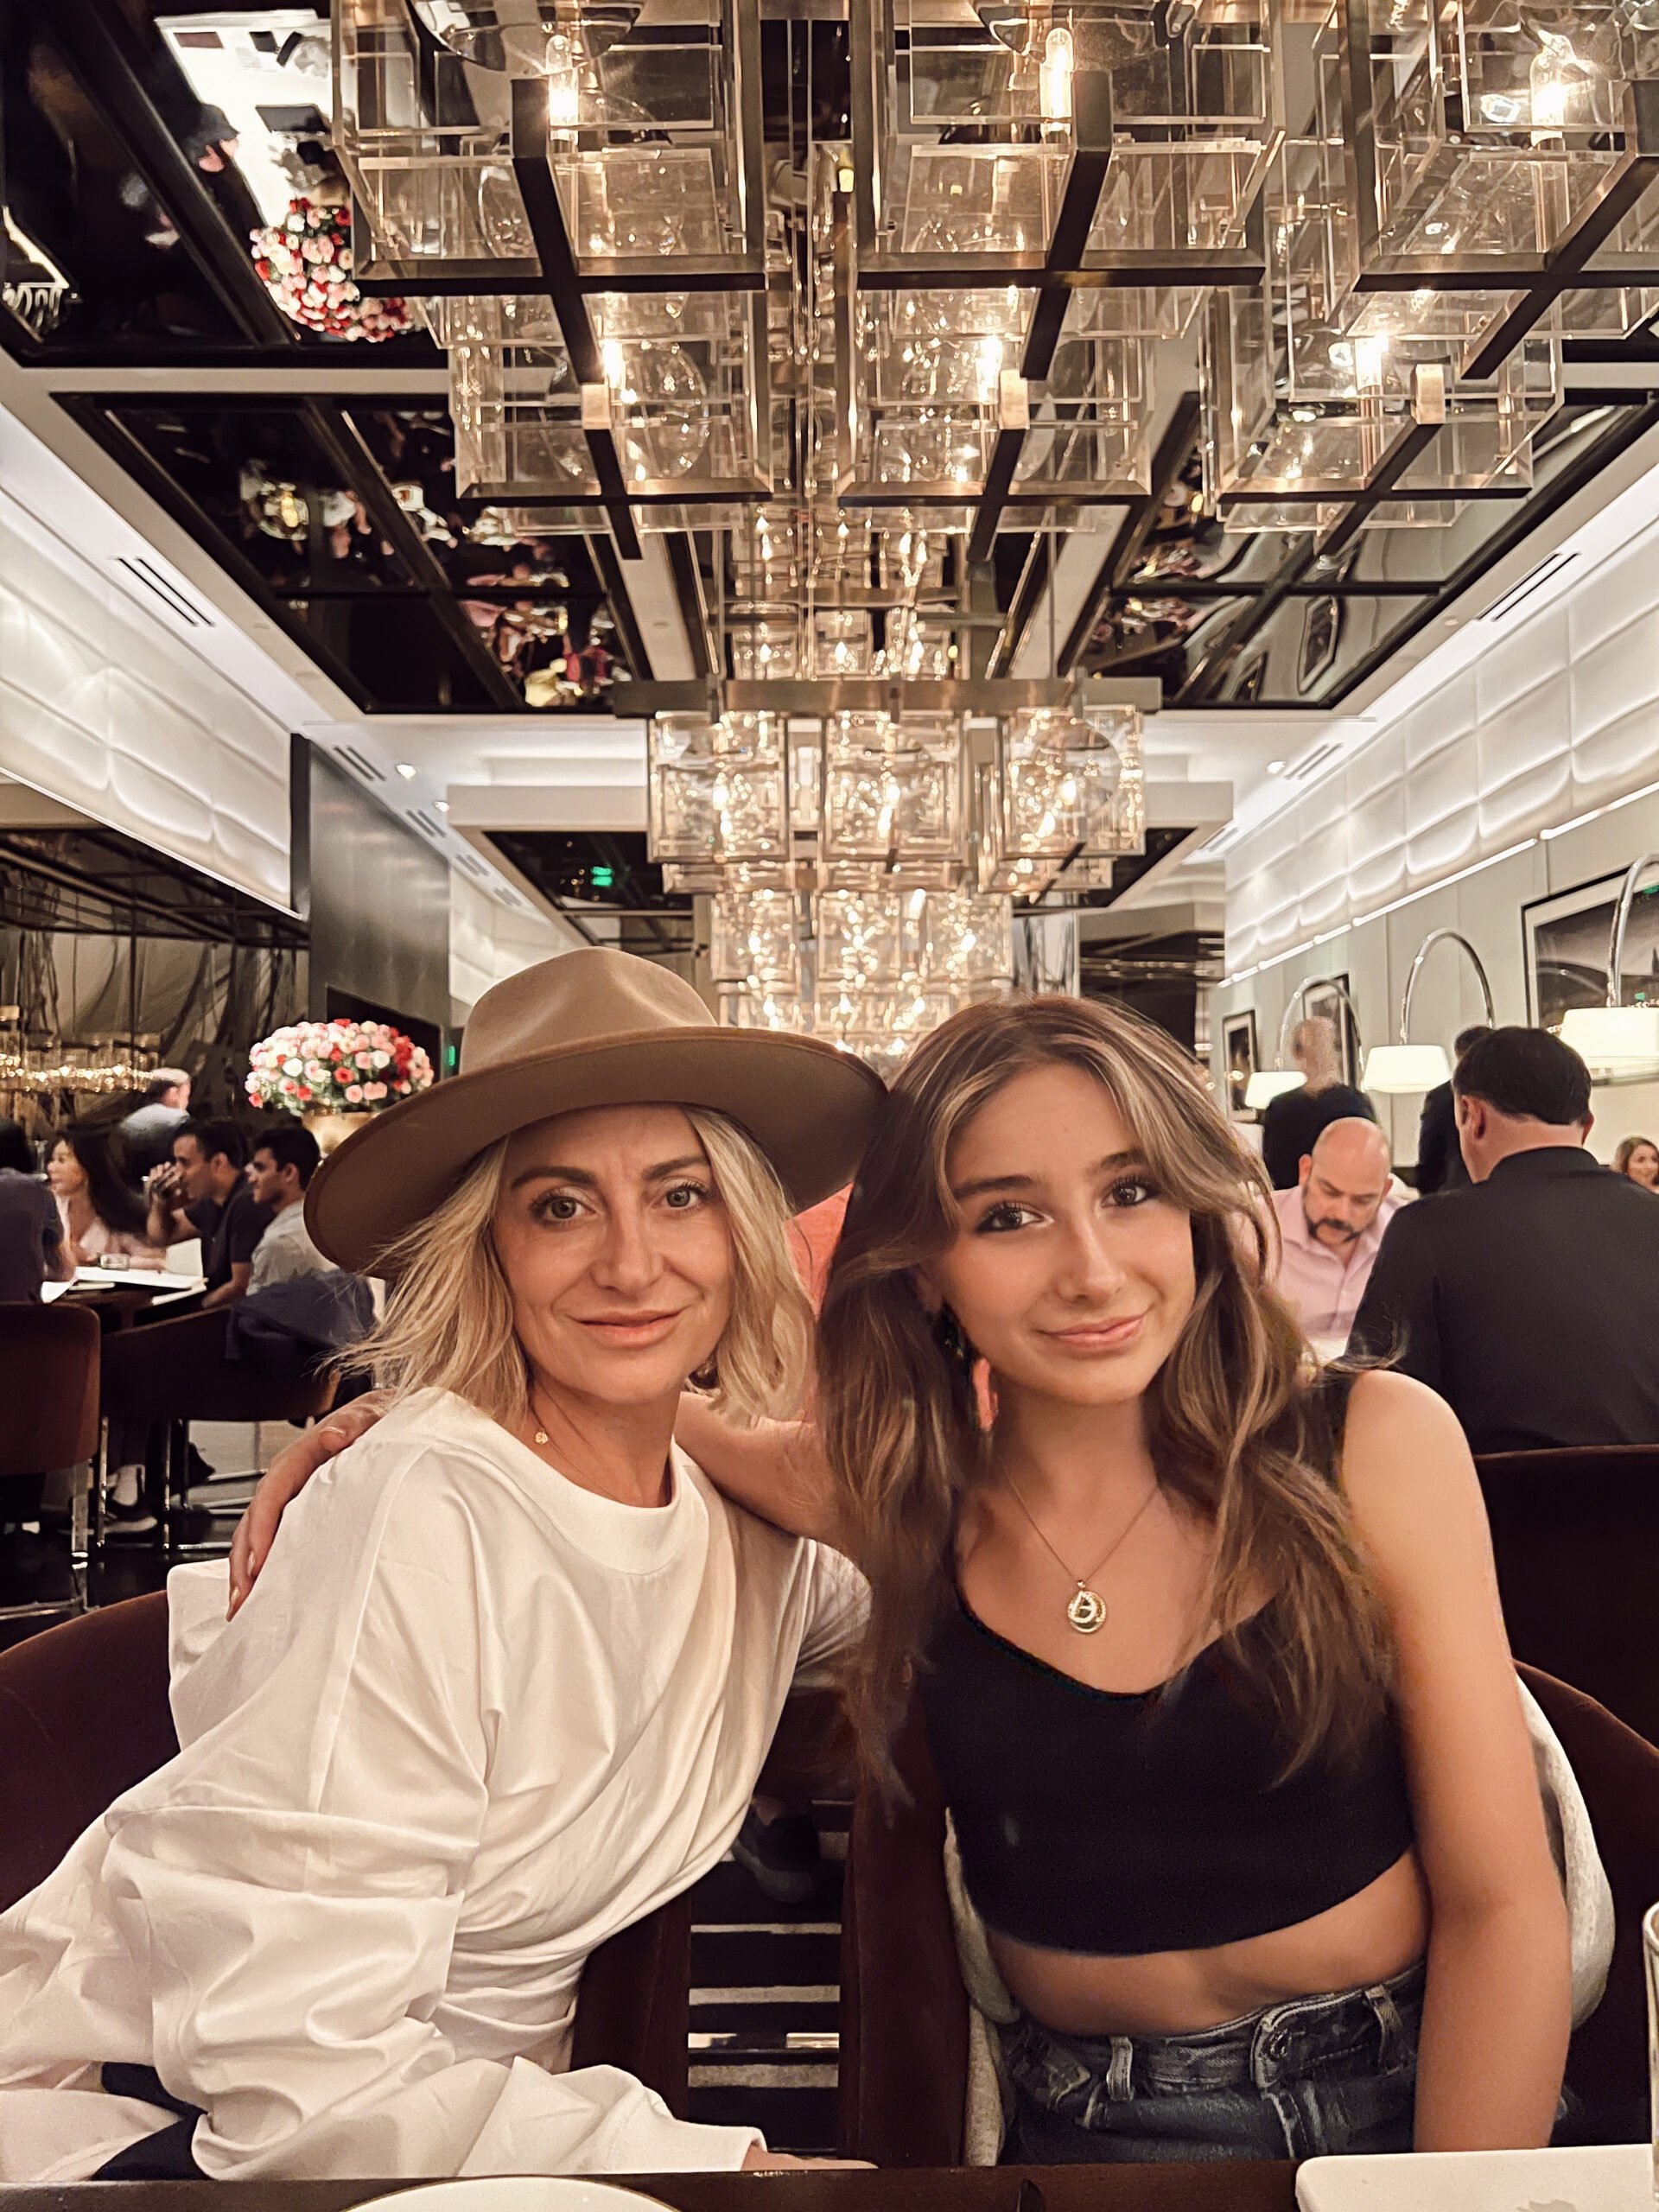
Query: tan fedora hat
[[591, 1028]]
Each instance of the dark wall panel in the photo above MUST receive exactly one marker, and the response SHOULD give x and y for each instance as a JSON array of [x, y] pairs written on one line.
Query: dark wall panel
[[378, 899]]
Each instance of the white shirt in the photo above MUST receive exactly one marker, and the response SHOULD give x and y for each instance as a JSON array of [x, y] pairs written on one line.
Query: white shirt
[[473, 1720], [285, 1253]]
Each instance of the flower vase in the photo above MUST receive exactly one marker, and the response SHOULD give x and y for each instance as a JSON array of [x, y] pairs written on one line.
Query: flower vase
[[331, 1130]]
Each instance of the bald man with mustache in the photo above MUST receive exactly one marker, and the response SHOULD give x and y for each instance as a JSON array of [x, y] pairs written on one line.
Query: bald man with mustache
[[1330, 1225]]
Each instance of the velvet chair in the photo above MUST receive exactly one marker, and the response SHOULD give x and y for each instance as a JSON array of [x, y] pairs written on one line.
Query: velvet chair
[[84, 1715], [49, 1389], [162, 1376], [904, 2034], [1576, 1534]]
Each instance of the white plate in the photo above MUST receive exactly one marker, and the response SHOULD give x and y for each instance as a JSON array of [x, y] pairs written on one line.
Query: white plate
[[1614, 2178], [522, 2193]]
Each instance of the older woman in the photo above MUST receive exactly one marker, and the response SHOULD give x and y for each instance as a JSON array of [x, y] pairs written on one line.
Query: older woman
[[509, 1683]]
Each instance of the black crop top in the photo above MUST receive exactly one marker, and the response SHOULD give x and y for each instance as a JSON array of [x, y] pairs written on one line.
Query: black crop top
[[1119, 1824]]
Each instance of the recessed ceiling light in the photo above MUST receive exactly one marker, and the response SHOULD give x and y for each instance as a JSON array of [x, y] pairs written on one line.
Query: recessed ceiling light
[[443, 805], [408, 771], [1275, 767]]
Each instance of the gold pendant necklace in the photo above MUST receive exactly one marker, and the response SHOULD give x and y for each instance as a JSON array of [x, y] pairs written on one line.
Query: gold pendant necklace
[[1087, 1610]]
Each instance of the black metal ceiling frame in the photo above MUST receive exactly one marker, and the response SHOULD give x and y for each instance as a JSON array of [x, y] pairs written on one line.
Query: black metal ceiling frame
[[222, 915], [1299, 570], [101, 49], [330, 422]]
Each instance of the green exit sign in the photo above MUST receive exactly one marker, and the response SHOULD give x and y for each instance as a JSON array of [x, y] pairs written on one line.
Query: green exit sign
[[603, 877]]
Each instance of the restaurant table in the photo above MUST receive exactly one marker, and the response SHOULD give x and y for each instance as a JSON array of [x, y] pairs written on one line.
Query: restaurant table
[[1220, 2185]]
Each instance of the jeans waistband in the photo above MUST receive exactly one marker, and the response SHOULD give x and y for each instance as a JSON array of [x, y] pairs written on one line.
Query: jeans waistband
[[1294, 2041]]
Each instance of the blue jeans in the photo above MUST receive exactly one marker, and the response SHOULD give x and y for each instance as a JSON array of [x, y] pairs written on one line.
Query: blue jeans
[[1316, 2075]]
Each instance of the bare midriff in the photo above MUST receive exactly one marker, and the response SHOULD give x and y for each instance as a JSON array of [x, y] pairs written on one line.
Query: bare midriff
[[1369, 1938]]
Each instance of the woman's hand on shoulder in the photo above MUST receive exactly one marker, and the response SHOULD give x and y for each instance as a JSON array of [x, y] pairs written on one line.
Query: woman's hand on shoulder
[[285, 1480]]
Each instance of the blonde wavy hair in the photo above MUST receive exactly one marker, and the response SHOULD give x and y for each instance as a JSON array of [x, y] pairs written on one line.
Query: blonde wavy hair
[[449, 1317], [1235, 1428]]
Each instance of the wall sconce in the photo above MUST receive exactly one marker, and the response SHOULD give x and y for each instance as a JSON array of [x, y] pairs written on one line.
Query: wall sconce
[[1618, 1042], [1398, 1069], [1267, 1084]]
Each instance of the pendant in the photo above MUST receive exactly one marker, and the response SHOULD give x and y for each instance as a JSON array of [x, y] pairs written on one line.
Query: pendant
[[1087, 1610]]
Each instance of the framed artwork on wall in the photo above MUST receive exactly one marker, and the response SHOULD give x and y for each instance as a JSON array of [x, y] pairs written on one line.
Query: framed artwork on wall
[[1238, 1057], [1567, 943], [1332, 1006]]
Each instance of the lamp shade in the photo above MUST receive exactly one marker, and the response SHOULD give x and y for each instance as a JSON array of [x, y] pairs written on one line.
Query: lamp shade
[[1614, 1041], [1267, 1084], [1397, 1070]]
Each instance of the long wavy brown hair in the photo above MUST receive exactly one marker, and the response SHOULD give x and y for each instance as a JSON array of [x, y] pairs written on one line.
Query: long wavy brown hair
[[1234, 1429]]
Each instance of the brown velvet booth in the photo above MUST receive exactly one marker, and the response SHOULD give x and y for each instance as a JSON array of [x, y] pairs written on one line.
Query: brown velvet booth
[[903, 2012], [1576, 1534], [84, 1715], [48, 1386]]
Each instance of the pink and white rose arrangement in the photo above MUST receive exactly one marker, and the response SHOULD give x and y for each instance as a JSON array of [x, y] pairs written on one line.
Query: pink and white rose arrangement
[[305, 261], [336, 1067]]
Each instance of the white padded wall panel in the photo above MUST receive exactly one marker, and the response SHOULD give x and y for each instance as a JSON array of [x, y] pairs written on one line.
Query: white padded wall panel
[[103, 709], [1528, 655]]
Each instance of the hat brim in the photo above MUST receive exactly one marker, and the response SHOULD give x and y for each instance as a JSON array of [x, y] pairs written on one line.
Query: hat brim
[[810, 1108]]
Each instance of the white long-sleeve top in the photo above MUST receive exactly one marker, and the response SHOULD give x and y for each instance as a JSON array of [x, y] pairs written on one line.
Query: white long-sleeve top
[[473, 1720]]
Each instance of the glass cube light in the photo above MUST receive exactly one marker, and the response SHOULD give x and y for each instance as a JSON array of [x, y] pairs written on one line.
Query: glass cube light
[[866, 941], [1303, 408], [680, 374], [718, 791], [975, 127], [1485, 130], [968, 941], [756, 939], [643, 127], [894, 790], [1067, 787]]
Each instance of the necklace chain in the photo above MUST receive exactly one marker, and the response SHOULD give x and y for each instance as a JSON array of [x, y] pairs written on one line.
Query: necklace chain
[[1087, 1610]]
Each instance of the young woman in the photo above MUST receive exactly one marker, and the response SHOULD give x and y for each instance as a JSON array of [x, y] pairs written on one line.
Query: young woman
[[1209, 1648], [509, 1682], [1638, 1159], [102, 1216]]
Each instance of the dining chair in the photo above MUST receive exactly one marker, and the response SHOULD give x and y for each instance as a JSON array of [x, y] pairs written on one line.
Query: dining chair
[[49, 1388], [84, 1716], [904, 2013], [161, 1377], [1575, 1535]]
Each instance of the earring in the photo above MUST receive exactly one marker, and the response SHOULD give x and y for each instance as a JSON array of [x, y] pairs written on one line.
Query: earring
[[975, 1371], [984, 1392], [949, 1335]]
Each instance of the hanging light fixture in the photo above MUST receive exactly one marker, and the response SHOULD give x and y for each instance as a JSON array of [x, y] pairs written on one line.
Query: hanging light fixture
[[1618, 1042], [1398, 1071]]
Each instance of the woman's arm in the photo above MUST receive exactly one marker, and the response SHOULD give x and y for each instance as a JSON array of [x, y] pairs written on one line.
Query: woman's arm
[[777, 1472], [1497, 2010], [293, 1883]]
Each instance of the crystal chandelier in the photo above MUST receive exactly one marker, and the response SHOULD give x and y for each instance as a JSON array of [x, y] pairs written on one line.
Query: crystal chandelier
[[841, 361]]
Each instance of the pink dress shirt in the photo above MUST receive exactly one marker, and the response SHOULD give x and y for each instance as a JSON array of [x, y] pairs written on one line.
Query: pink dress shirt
[[1322, 1288]]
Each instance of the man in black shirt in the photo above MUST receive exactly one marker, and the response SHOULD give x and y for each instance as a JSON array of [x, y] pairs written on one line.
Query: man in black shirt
[[1528, 1299], [205, 1194], [1440, 1162], [1293, 1123]]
